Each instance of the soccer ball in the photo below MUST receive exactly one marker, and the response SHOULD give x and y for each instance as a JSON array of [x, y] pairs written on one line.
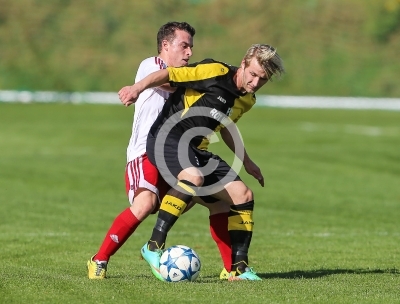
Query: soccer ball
[[179, 263]]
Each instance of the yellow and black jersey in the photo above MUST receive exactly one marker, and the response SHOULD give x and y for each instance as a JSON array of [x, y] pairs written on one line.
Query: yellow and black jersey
[[240, 106], [206, 95]]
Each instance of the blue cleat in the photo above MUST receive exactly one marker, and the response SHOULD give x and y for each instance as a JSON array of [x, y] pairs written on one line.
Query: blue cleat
[[248, 275], [153, 259]]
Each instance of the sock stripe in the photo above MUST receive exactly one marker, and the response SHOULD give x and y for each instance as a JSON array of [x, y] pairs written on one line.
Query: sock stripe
[[242, 212], [187, 188], [173, 205], [240, 222]]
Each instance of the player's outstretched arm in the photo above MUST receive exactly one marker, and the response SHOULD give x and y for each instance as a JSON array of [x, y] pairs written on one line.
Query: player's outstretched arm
[[129, 94], [250, 167]]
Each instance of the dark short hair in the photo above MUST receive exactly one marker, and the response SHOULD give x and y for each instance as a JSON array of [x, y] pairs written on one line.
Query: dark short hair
[[167, 32]]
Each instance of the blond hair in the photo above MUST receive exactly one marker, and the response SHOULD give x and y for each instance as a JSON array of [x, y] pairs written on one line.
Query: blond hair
[[267, 57]]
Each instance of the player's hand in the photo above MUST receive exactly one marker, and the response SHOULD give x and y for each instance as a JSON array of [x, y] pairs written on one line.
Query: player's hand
[[128, 95], [252, 169]]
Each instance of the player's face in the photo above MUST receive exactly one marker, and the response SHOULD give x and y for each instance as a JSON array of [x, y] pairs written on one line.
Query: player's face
[[254, 76], [180, 49]]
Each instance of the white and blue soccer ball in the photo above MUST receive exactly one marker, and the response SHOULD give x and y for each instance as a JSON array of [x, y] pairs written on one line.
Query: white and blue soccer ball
[[180, 263]]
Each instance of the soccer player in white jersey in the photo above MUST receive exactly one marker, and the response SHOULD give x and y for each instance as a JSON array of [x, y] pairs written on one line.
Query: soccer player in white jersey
[[144, 185]]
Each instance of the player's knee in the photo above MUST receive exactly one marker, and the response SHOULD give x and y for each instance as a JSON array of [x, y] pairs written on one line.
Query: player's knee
[[242, 194], [194, 177], [141, 211], [247, 195], [143, 203], [198, 180]]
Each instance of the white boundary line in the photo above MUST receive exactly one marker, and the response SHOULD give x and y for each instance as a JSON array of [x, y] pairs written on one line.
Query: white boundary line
[[329, 102], [275, 101]]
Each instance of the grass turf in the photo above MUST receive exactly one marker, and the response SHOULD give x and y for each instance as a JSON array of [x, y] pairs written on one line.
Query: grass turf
[[326, 223]]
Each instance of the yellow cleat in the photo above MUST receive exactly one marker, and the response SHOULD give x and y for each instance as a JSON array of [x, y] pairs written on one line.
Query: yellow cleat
[[96, 269], [224, 275]]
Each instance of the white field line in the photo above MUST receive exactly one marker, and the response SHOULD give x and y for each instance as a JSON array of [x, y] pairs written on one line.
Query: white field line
[[320, 102], [35, 234], [350, 129]]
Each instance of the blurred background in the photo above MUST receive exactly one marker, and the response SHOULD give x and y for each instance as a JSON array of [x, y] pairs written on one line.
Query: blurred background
[[330, 47], [327, 221]]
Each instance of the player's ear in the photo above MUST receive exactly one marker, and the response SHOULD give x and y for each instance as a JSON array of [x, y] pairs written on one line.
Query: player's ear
[[242, 64], [165, 44]]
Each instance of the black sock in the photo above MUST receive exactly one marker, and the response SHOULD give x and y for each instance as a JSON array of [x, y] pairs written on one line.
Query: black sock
[[240, 225], [172, 206]]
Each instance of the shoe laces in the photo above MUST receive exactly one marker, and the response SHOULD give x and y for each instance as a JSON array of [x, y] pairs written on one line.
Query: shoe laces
[[159, 252], [100, 265], [237, 273], [250, 269]]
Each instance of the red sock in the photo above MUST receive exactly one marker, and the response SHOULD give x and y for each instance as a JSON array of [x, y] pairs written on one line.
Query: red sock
[[121, 229], [220, 234]]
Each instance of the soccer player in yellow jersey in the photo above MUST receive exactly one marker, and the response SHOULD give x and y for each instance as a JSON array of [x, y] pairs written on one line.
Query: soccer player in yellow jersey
[[144, 186], [208, 93]]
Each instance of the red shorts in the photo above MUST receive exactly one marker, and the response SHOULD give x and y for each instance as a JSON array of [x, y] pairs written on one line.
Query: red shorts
[[141, 173]]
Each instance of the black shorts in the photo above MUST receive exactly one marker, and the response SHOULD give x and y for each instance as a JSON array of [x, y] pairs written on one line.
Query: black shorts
[[171, 155]]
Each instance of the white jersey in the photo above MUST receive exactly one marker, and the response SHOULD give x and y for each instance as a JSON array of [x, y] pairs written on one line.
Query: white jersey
[[147, 107]]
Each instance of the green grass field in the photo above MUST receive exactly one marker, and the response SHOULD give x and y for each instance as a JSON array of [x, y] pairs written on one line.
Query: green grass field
[[326, 224]]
